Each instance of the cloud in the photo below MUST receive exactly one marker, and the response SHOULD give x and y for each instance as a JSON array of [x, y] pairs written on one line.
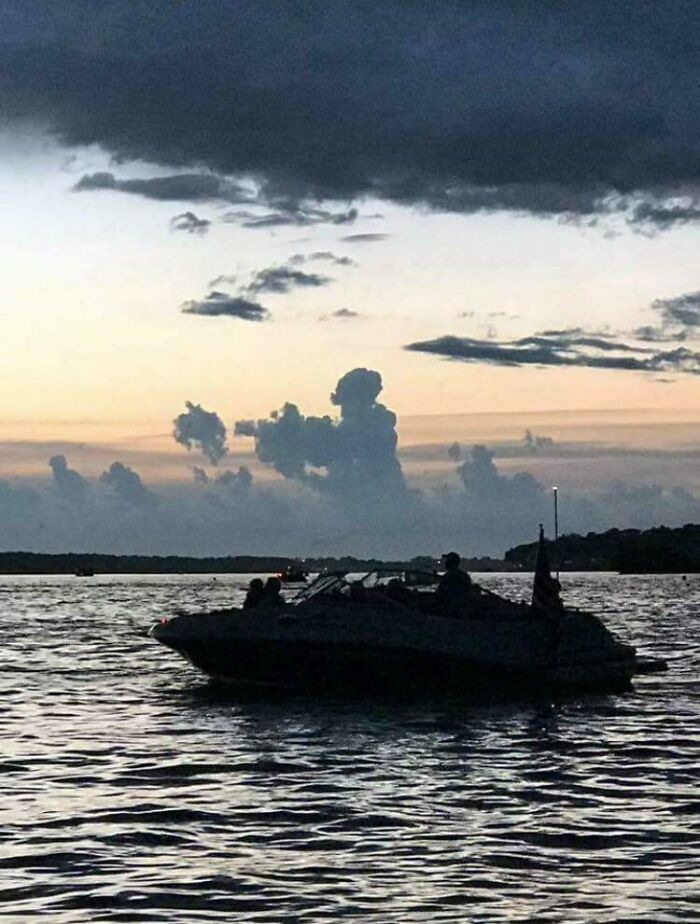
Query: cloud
[[364, 238], [531, 108], [200, 429], [127, 485], [282, 279], [298, 259], [240, 480], [563, 349], [358, 452], [343, 314], [188, 221], [70, 484], [683, 310], [219, 304], [290, 213], [200, 476], [181, 187], [654, 217], [534, 443]]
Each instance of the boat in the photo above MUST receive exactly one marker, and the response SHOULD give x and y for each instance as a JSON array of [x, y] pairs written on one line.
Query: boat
[[294, 573], [389, 630], [84, 572]]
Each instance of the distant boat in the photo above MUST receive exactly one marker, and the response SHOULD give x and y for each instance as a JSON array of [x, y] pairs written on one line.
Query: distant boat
[[84, 572], [294, 573]]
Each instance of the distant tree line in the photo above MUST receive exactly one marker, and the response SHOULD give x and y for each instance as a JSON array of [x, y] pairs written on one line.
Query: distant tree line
[[95, 563], [661, 550]]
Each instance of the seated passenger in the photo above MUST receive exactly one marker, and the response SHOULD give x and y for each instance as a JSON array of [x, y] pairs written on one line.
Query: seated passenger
[[255, 594], [455, 585], [358, 593], [271, 592]]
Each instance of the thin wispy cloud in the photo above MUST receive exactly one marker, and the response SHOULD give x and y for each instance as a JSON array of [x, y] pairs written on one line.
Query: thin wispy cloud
[[181, 187], [342, 314], [282, 279], [559, 349], [220, 304], [191, 223], [365, 237]]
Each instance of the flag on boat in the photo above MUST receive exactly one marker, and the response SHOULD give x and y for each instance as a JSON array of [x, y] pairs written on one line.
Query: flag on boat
[[545, 588]]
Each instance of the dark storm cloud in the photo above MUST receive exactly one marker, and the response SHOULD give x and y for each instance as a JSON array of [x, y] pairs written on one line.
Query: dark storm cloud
[[127, 485], [197, 428], [562, 348], [183, 187], [220, 304], [189, 222], [572, 110]]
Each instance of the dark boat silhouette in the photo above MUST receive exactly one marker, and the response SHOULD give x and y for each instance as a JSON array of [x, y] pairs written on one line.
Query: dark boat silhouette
[[390, 631]]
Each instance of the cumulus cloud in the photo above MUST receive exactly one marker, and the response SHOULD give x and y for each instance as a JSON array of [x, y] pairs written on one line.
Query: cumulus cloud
[[240, 480], [191, 223], [563, 349], [197, 428], [127, 485], [357, 452], [534, 443], [70, 484], [220, 304], [454, 452]]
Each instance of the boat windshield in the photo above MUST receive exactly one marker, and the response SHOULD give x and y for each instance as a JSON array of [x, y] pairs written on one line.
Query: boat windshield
[[409, 578], [337, 584], [333, 582]]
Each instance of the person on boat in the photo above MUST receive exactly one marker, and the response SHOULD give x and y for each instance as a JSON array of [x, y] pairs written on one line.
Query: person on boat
[[455, 585], [254, 597], [271, 592]]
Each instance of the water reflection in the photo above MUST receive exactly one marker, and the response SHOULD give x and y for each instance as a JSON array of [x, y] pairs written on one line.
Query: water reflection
[[136, 791]]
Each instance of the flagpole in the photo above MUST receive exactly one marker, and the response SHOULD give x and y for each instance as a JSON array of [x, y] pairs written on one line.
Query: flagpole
[[555, 493]]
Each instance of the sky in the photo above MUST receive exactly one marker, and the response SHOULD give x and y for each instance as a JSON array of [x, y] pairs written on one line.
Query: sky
[[310, 277]]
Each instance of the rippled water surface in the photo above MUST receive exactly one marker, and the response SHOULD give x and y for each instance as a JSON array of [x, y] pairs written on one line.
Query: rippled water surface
[[132, 791]]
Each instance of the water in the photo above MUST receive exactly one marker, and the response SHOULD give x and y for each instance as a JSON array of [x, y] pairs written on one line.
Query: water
[[133, 792]]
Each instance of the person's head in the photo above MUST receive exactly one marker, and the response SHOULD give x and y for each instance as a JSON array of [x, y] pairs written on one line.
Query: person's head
[[273, 585], [256, 584], [452, 561]]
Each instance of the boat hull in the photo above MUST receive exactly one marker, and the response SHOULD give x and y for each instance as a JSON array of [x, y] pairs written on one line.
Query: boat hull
[[340, 653]]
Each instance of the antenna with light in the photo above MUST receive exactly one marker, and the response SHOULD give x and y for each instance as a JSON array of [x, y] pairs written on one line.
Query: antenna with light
[[555, 495]]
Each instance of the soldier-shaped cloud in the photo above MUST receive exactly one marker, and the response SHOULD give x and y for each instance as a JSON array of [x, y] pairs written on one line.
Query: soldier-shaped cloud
[[127, 485], [203, 430], [358, 452], [70, 484]]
